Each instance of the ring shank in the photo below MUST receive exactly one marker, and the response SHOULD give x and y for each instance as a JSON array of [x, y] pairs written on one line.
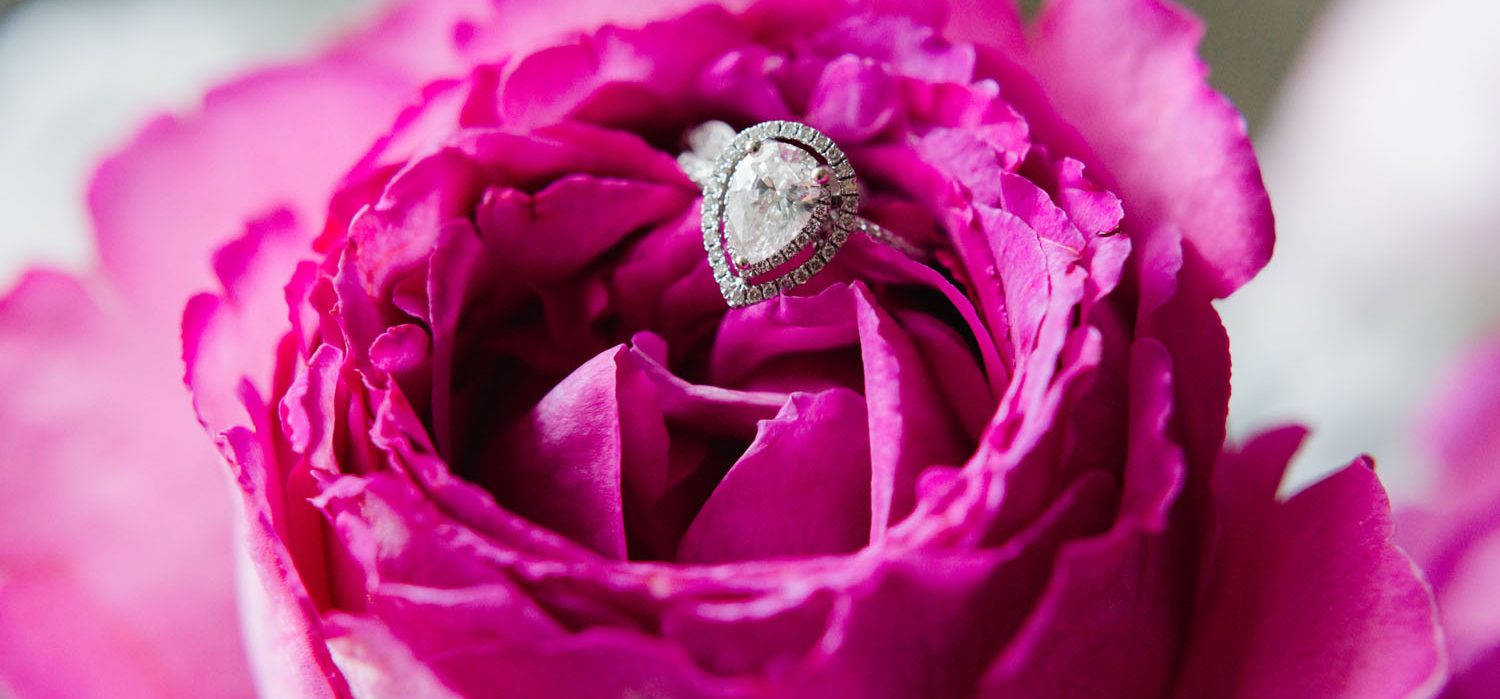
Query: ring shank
[[884, 235]]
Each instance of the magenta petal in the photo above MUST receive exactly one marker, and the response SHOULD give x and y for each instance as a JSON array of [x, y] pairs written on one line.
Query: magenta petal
[[231, 337], [1465, 580], [619, 75], [763, 339], [1462, 428], [463, 619], [926, 624], [1478, 681], [911, 426], [1308, 597], [605, 663], [397, 234], [1455, 536], [115, 528], [283, 633], [399, 349], [802, 489], [377, 664], [909, 47], [574, 220], [1126, 74], [1118, 589], [562, 465], [854, 101], [730, 637]]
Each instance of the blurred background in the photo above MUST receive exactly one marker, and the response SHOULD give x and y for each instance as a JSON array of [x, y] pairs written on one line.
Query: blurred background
[[1375, 120]]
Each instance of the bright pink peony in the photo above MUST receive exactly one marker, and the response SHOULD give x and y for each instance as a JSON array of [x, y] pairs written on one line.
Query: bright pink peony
[[1456, 537], [494, 433]]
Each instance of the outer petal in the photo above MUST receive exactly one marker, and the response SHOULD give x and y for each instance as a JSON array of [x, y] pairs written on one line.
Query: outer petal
[[1126, 74], [1308, 597], [162, 205], [115, 567]]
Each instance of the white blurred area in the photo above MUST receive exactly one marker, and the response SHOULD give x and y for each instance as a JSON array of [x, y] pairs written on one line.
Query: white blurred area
[[78, 76], [1382, 155]]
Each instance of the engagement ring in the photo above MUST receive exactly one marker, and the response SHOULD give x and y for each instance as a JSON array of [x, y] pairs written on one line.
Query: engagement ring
[[779, 200]]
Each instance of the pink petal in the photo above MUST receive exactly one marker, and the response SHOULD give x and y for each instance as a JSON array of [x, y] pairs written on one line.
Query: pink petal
[[379, 665], [283, 631], [164, 203], [906, 46], [854, 101], [115, 568], [564, 227], [231, 336], [925, 625], [465, 620], [1121, 589], [1308, 597], [729, 637], [802, 489], [1183, 319], [618, 75], [1478, 681], [1455, 536], [1126, 74], [911, 425], [562, 465], [1462, 427]]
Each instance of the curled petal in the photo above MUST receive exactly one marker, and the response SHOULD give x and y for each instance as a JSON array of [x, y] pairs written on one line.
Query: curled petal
[[1308, 597], [1126, 74]]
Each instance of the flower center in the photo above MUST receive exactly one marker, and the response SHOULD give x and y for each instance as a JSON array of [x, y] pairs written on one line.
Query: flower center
[[770, 199]]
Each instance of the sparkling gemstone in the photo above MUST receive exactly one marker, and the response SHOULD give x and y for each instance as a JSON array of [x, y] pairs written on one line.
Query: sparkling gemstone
[[770, 199]]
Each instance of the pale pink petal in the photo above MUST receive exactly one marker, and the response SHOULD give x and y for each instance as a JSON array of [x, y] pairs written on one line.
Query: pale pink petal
[[115, 521], [183, 185]]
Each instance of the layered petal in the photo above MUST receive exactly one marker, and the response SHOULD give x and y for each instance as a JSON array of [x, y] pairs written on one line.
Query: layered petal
[[1126, 75]]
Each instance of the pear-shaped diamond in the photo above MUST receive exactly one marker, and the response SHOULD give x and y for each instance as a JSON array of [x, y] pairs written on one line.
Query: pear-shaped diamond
[[769, 200]]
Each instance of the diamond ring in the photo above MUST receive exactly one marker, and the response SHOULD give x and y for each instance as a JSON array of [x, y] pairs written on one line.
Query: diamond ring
[[779, 200]]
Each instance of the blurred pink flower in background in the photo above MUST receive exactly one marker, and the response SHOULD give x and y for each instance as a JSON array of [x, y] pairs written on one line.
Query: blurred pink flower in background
[[1455, 533], [1380, 159], [1095, 540]]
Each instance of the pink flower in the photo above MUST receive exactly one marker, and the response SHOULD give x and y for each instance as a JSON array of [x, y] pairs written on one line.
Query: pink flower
[[1456, 536], [493, 432]]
